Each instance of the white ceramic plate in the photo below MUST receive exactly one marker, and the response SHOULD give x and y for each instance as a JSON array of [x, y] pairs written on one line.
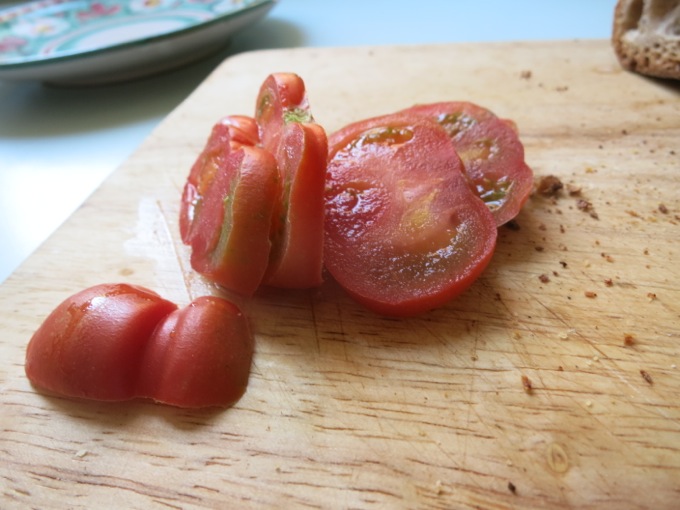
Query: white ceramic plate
[[90, 42]]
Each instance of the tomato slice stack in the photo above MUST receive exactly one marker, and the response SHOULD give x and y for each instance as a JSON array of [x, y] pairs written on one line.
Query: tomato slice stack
[[404, 233], [401, 209], [287, 130], [252, 207]]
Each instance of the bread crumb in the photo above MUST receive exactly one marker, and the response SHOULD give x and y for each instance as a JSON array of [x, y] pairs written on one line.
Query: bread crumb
[[651, 296], [438, 487], [589, 403], [525, 74], [526, 384], [663, 209], [549, 185], [609, 282], [590, 294], [544, 278], [512, 488], [81, 453], [645, 375], [628, 340]]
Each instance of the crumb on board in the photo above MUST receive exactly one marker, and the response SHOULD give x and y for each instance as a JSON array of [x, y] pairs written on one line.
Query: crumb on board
[[527, 385], [590, 294], [549, 185], [663, 209], [651, 296], [512, 488], [648, 378], [525, 74], [628, 340], [573, 190], [607, 257], [81, 453], [608, 282], [544, 278]]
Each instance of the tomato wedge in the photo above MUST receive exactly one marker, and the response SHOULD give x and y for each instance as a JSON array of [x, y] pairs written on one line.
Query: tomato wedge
[[300, 146], [229, 133], [403, 231], [491, 151], [91, 345], [230, 241], [199, 356], [115, 342]]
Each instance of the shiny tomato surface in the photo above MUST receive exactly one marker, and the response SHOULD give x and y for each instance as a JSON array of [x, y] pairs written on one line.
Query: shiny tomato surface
[[404, 232], [115, 342], [491, 152], [91, 345], [198, 356]]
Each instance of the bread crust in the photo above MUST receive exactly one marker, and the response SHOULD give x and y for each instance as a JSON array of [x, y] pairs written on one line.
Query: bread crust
[[646, 36]]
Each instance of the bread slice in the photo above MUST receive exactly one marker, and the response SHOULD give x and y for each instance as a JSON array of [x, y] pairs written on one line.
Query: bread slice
[[646, 36]]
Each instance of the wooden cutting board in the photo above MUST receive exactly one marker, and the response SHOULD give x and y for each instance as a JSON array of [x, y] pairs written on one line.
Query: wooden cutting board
[[346, 409]]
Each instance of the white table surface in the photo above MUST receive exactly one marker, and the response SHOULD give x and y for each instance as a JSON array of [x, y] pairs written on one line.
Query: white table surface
[[57, 145]]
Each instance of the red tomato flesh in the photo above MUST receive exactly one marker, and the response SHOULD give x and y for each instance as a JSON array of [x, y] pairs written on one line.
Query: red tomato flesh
[[403, 232], [300, 146], [230, 244], [199, 356], [492, 154], [90, 346], [228, 134], [116, 342]]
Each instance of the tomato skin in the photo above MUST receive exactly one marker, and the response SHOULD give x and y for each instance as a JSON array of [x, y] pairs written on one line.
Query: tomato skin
[[231, 244], [300, 146], [230, 133], [90, 345], [404, 233], [296, 260], [491, 151], [199, 356]]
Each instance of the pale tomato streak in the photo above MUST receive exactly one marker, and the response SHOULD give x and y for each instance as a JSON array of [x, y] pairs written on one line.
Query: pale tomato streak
[[231, 243], [287, 130]]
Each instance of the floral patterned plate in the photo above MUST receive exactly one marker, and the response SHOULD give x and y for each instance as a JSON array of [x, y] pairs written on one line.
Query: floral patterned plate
[[89, 42]]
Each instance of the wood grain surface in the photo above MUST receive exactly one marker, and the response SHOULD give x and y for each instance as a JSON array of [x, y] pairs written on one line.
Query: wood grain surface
[[346, 409]]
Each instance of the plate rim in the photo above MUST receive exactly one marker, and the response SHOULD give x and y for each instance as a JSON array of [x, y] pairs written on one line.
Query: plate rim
[[142, 41]]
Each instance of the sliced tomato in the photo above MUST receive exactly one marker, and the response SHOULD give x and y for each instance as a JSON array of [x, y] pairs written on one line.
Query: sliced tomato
[[199, 356], [300, 146], [229, 133], [231, 244], [404, 233], [90, 346], [491, 151], [117, 342]]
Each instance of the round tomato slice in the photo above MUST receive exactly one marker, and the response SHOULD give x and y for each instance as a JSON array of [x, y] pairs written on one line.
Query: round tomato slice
[[300, 146], [491, 151], [403, 232], [228, 134], [90, 346], [199, 356], [231, 243]]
